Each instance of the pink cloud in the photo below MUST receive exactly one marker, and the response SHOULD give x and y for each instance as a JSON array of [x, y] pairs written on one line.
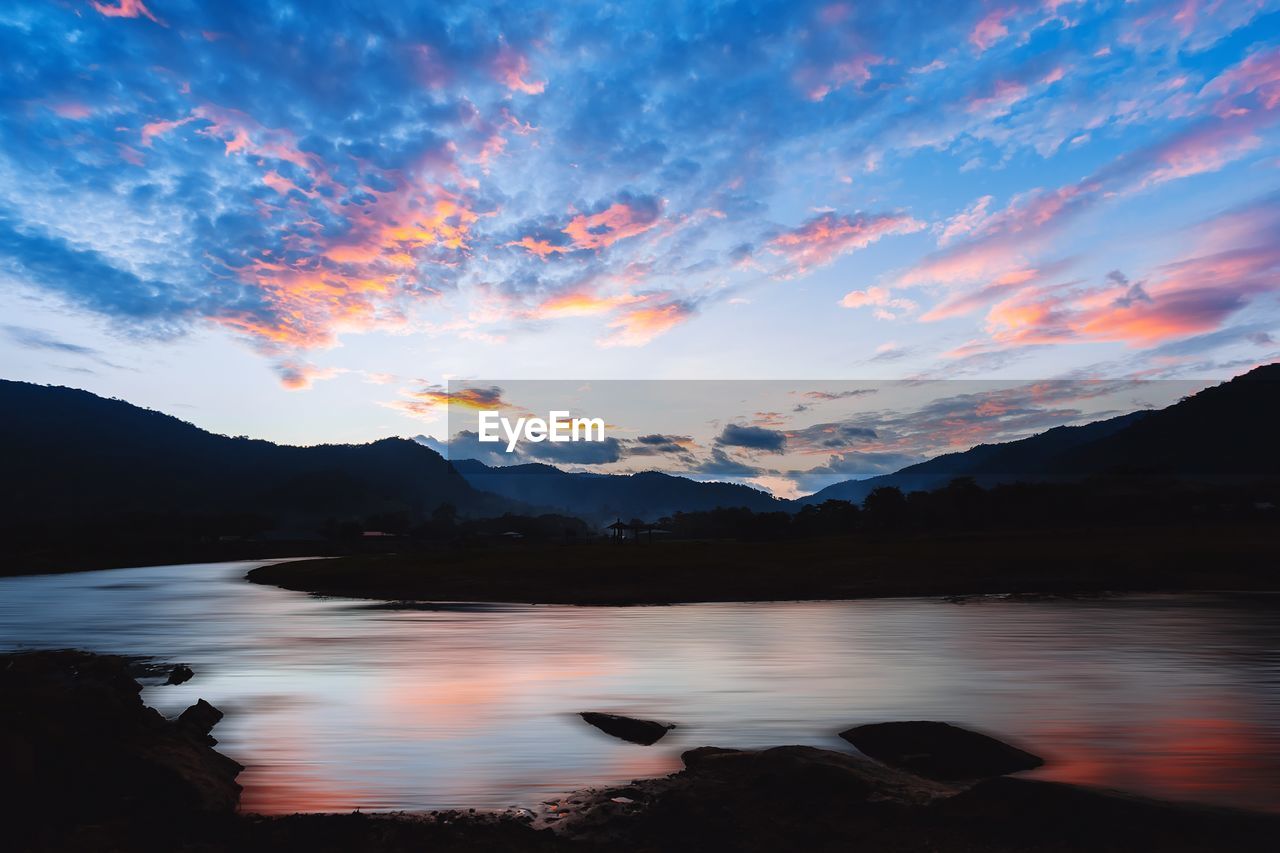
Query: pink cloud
[[886, 307], [1008, 240], [1206, 148], [1194, 295], [965, 303], [72, 110], [971, 219], [855, 71], [997, 100], [512, 70], [1258, 74], [820, 240], [991, 28], [126, 9], [617, 222], [151, 130]]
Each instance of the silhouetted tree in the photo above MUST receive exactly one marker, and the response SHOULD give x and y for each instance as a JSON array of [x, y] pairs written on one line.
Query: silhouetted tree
[[886, 508]]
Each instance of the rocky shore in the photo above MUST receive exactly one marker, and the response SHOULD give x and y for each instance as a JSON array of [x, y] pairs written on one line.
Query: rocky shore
[[87, 766]]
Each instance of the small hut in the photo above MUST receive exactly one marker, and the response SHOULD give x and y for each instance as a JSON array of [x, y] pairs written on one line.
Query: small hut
[[619, 530]]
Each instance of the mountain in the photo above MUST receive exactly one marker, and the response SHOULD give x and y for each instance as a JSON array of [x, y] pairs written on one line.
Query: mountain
[[1028, 458], [73, 457], [1226, 431], [604, 497], [1223, 432]]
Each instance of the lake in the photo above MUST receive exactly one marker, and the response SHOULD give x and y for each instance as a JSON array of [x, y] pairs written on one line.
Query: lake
[[335, 704]]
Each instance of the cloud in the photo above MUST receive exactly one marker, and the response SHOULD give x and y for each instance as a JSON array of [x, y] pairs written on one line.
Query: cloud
[[1194, 295], [752, 438], [657, 444], [826, 437], [722, 466], [39, 339], [973, 218], [650, 317], [126, 9], [627, 217], [297, 376], [851, 465], [294, 176], [839, 395], [428, 402], [466, 444], [572, 453], [820, 240], [990, 29], [512, 68], [886, 307], [88, 278]]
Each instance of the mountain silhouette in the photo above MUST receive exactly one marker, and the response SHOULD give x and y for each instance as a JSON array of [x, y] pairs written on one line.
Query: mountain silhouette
[[601, 497], [1224, 432], [70, 458], [70, 455]]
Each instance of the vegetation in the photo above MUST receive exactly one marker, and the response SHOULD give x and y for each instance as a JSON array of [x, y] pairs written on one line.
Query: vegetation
[[1208, 555], [1116, 500]]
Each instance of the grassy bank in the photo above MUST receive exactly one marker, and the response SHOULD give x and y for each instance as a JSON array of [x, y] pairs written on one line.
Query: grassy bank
[[1218, 556]]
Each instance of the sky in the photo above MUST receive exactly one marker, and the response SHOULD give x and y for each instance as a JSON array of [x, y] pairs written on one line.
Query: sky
[[788, 437], [301, 221]]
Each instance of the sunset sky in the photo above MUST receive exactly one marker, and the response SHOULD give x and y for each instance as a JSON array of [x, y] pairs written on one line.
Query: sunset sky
[[294, 221]]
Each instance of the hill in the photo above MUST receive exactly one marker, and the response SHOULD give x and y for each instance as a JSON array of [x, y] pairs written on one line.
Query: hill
[[71, 458], [604, 497], [1223, 432]]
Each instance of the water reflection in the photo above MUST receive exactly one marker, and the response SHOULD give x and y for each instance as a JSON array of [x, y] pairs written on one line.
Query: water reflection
[[337, 705]]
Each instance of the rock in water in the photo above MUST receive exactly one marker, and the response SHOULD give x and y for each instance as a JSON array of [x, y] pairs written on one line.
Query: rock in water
[[643, 732], [939, 750], [179, 674]]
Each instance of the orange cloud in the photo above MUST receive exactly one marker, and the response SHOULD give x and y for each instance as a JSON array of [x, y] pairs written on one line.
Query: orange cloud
[[297, 376], [582, 303], [617, 222], [428, 403], [1188, 298], [541, 248], [640, 325]]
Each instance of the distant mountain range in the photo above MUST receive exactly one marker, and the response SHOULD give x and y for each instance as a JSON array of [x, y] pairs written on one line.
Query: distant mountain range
[[68, 455], [603, 497], [1226, 431]]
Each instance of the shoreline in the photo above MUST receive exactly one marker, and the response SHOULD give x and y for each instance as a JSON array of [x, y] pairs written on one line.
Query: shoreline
[[1030, 564]]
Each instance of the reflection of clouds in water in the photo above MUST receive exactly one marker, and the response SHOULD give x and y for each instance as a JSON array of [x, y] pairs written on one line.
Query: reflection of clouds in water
[[336, 705]]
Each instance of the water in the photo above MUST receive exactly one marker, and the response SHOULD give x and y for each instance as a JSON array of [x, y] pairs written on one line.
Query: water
[[335, 704]]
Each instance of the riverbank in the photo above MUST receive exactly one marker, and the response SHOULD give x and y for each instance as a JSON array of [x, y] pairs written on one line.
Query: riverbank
[[99, 770], [56, 560], [1073, 561]]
